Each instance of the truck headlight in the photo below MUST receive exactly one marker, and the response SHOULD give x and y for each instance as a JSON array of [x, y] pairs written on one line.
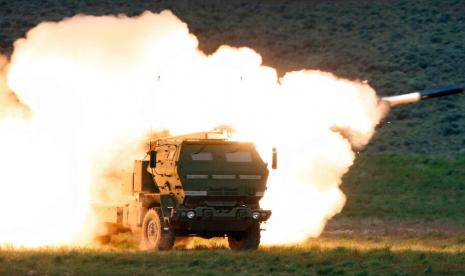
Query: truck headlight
[[256, 215], [190, 214]]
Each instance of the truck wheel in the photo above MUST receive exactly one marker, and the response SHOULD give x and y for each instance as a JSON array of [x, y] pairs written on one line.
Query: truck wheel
[[153, 235], [247, 240]]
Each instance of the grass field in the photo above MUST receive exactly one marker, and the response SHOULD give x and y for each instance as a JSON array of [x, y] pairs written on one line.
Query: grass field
[[321, 257], [407, 188]]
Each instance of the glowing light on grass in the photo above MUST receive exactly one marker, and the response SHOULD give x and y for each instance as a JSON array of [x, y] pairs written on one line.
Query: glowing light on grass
[[96, 85]]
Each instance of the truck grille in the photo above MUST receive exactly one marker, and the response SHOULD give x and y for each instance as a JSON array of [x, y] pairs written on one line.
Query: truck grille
[[223, 192], [224, 176]]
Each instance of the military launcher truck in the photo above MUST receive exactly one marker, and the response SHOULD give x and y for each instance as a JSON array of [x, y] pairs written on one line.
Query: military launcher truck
[[201, 185]]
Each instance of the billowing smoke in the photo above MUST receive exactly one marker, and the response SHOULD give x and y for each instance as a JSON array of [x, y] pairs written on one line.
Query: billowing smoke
[[10, 106], [88, 90]]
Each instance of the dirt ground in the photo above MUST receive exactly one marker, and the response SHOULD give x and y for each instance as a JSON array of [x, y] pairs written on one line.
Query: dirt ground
[[376, 227]]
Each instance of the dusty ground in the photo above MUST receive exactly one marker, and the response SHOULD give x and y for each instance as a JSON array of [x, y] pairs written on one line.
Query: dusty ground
[[376, 227]]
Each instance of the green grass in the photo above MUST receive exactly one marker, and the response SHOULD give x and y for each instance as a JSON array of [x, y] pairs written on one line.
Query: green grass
[[313, 260], [402, 188]]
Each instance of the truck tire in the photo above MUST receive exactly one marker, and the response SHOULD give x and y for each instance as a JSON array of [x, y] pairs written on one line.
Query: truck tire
[[153, 235], [247, 240]]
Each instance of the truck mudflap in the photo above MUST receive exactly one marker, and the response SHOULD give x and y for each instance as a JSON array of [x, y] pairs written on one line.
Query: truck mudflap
[[235, 214]]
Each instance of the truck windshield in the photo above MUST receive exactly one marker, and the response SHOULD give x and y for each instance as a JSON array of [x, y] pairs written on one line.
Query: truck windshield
[[239, 156], [202, 156], [230, 153]]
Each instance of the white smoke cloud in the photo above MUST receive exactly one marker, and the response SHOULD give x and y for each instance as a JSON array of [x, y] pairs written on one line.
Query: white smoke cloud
[[97, 85]]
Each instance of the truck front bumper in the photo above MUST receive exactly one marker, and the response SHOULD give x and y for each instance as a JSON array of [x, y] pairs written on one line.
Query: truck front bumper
[[208, 219], [214, 214]]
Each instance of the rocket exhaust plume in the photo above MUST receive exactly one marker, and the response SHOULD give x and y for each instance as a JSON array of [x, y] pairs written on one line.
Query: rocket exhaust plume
[[88, 90]]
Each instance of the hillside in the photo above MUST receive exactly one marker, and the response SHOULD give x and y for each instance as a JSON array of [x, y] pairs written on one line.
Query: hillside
[[397, 46]]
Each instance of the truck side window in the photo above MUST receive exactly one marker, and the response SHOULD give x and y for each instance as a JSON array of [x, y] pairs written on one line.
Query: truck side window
[[202, 156], [239, 156]]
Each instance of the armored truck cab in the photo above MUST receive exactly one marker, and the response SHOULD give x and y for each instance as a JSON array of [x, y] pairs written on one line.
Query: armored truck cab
[[196, 187]]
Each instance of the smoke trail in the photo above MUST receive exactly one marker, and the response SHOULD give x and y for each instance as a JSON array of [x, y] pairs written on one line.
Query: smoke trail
[[96, 85]]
